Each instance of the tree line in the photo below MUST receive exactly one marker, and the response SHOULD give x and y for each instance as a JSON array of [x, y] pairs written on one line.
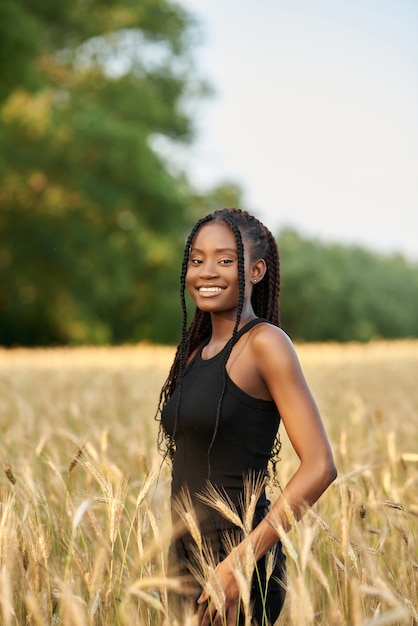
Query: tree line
[[94, 212], [333, 292]]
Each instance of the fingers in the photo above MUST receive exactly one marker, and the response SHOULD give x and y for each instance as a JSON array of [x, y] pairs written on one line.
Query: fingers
[[211, 616], [232, 617]]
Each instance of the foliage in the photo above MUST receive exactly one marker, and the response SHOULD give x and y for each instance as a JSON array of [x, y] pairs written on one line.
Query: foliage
[[343, 293], [91, 215]]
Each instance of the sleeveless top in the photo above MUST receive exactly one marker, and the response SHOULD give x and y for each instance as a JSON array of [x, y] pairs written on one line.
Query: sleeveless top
[[241, 445]]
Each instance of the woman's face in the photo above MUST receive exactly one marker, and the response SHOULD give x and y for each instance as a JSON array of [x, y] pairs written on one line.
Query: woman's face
[[212, 273]]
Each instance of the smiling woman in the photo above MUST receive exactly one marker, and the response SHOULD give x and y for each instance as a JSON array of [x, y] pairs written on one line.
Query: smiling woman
[[235, 376]]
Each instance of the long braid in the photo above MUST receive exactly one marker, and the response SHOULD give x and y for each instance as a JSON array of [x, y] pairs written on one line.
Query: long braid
[[241, 283], [265, 294], [265, 299], [190, 338]]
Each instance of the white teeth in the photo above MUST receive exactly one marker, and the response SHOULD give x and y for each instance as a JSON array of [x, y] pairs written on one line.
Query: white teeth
[[210, 289]]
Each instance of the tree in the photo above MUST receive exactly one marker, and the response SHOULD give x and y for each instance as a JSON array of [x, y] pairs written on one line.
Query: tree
[[345, 293], [91, 215]]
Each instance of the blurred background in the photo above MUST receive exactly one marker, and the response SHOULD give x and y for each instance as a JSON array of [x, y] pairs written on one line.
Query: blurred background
[[123, 121]]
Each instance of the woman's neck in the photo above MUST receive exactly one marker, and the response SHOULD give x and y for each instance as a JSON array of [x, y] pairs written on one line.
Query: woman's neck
[[223, 325]]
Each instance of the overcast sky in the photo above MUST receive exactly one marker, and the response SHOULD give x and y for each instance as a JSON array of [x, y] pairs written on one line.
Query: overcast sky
[[314, 114]]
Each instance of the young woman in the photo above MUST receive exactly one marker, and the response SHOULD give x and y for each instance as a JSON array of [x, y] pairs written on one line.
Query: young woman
[[235, 376]]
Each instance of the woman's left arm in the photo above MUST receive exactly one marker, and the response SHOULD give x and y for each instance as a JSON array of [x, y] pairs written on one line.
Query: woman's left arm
[[279, 368]]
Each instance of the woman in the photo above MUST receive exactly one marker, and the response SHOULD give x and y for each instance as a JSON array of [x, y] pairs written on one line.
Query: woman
[[234, 377]]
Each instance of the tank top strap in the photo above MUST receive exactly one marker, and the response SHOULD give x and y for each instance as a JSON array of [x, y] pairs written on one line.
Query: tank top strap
[[249, 325]]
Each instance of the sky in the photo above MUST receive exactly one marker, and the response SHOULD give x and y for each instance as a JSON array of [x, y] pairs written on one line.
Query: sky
[[314, 114]]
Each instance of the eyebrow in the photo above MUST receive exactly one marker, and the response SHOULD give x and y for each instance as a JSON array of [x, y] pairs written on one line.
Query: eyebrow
[[218, 250]]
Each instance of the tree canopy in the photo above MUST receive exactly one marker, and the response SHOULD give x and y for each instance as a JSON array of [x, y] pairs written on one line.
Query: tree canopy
[[345, 293], [90, 212]]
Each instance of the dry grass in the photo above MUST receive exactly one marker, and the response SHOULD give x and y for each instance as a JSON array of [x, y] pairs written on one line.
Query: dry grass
[[84, 507]]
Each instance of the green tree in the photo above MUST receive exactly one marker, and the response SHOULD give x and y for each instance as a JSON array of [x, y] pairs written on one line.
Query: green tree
[[345, 293], [92, 216]]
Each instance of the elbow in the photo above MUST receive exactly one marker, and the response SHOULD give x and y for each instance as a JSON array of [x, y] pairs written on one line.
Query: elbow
[[329, 472], [325, 472]]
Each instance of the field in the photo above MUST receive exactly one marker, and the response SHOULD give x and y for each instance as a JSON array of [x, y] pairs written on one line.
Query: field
[[84, 517]]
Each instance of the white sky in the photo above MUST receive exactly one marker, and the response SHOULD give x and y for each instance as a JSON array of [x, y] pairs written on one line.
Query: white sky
[[315, 114]]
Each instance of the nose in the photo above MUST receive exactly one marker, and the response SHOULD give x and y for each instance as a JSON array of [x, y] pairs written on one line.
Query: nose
[[208, 269]]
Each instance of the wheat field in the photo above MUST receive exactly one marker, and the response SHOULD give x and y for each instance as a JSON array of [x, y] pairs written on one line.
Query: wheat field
[[84, 500]]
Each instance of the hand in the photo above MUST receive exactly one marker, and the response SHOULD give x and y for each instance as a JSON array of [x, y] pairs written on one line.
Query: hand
[[222, 596]]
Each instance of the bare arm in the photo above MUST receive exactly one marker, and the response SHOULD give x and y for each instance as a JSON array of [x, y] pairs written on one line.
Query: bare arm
[[278, 367]]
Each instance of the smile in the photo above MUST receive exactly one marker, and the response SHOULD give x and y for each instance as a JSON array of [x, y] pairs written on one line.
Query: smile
[[210, 289]]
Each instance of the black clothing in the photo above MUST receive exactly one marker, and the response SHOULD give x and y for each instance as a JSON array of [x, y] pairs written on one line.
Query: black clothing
[[223, 450]]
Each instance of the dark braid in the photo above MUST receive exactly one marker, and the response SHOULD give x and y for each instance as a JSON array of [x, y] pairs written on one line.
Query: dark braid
[[265, 301], [190, 339], [241, 283]]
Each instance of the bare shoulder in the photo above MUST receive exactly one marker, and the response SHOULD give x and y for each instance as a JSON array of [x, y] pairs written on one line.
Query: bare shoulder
[[264, 336], [271, 345]]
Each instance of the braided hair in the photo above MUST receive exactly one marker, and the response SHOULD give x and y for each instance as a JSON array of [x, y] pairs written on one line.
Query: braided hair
[[265, 301]]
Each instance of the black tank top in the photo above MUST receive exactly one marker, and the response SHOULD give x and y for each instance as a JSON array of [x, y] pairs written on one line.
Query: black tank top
[[244, 437]]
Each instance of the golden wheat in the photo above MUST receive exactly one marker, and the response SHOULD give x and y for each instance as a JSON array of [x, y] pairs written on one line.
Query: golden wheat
[[84, 500]]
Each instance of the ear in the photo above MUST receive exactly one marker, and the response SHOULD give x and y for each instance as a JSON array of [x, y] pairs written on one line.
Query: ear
[[258, 270]]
